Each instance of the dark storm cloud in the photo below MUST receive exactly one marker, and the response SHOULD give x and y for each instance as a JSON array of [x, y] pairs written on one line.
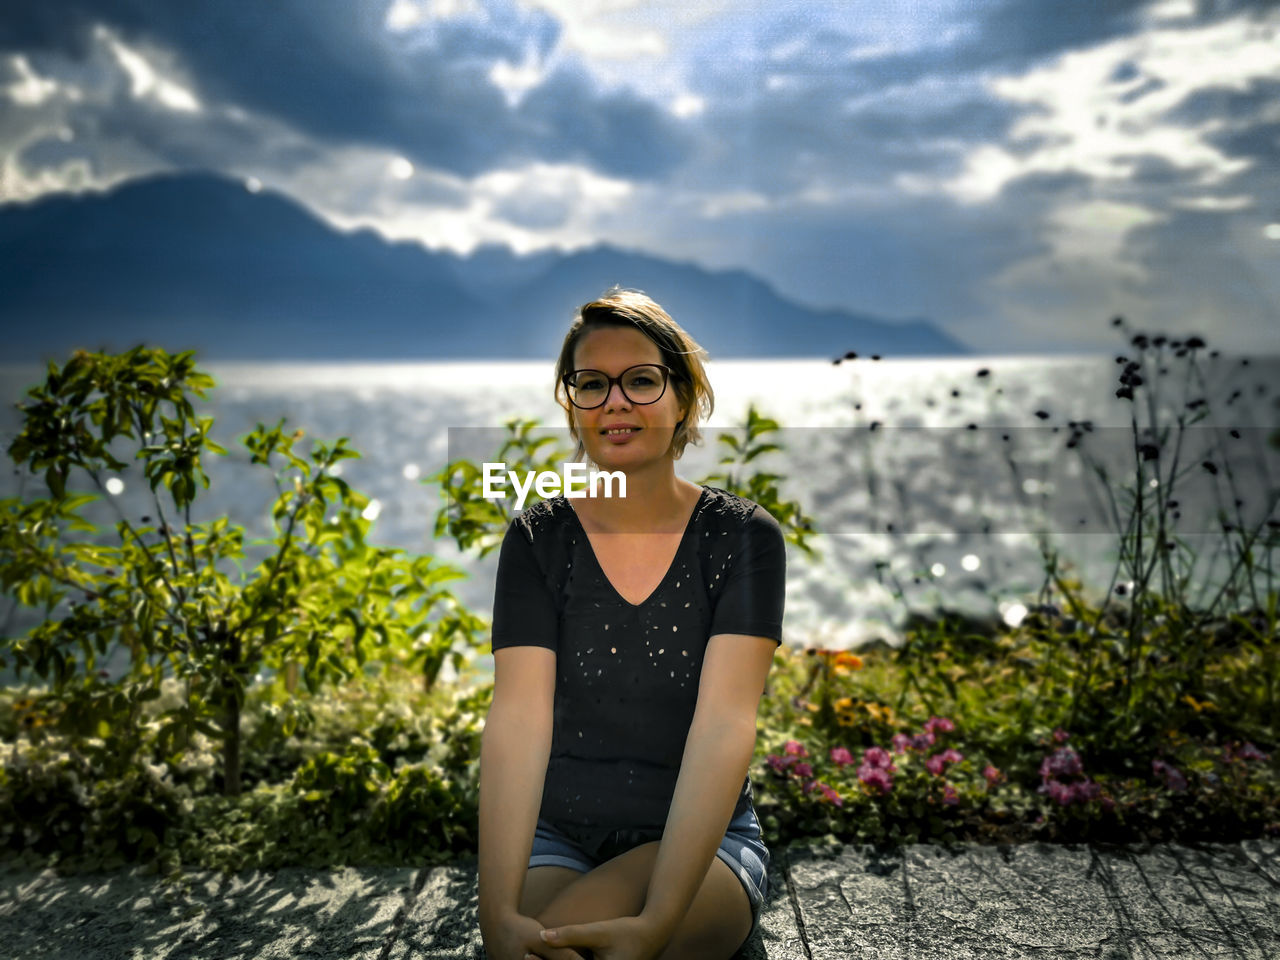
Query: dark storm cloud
[[630, 138], [1226, 103], [52, 153], [1261, 142], [1243, 130], [787, 139], [1012, 35], [1152, 170], [794, 100], [332, 69]]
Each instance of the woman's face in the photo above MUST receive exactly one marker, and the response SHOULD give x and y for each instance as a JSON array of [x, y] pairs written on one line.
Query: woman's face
[[612, 350]]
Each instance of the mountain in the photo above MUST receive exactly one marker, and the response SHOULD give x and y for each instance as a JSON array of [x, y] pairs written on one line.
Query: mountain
[[196, 261]]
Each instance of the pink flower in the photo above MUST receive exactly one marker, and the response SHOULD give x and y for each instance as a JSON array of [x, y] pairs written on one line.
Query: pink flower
[[900, 742], [777, 764], [1250, 752], [826, 792], [802, 770], [1085, 790], [795, 748], [841, 756], [949, 795], [877, 777], [1172, 776], [937, 763], [923, 741], [1058, 791], [939, 725], [877, 757], [1063, 762], [1060, 735], [993, 775]]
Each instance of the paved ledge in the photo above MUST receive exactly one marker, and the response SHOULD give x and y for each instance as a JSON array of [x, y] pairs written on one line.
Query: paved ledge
[[1035, 900]]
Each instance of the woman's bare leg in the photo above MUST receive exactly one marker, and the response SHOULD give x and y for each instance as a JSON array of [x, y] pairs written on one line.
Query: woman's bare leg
[[716, 925], [541, 884]]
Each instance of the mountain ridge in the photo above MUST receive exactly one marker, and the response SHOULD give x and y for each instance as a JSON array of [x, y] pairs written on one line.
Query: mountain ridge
[[197, 261]]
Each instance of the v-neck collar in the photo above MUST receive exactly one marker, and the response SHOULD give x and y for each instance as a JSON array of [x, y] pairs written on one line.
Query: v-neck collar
[[671, 566]]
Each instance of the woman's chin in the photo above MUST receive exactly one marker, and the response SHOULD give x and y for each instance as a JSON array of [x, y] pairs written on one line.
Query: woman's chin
[[619, 458]]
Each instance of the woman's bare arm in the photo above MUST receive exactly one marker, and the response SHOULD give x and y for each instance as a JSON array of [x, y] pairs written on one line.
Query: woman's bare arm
[[717, 755], [514, 750]]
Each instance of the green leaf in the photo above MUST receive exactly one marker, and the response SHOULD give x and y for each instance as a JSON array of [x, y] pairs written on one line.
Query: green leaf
[[56, 480]]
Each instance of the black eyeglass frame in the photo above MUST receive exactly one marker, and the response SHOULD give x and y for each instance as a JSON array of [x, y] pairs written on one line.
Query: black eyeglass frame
[[667, 376]]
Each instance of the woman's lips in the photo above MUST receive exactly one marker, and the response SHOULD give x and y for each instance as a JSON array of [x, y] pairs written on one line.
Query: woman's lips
[[617, 438]]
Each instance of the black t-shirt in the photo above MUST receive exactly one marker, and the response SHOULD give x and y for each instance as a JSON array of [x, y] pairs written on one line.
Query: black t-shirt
[[627, 675]]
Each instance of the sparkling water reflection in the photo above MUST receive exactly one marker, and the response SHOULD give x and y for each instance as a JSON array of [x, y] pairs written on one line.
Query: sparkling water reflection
[[899, 462]]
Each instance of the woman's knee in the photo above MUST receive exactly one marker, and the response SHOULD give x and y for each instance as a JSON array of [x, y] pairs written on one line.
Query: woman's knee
[[616, 888], [718, 921]]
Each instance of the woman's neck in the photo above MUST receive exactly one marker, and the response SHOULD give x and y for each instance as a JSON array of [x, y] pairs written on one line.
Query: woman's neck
[[657, 501]]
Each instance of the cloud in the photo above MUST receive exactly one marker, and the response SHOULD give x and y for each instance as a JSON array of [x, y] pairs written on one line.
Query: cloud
[[26, 87], [542, 197], [465, 87], [1014, 169], [1082, 114]]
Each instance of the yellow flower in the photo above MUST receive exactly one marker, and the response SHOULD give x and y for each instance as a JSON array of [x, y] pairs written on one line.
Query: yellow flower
[[880, 712], [1197, 707], [844, 703]]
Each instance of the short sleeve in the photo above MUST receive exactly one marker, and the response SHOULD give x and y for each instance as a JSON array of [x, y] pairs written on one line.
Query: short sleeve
[[752, 600], [524, 610]]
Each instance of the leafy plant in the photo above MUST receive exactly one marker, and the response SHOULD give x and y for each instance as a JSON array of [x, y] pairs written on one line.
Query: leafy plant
[[470, 518], [1146, 649], [323, 604], [757, 485]]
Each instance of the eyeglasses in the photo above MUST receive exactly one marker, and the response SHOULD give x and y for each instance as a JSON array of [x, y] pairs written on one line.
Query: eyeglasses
[[642, 384]]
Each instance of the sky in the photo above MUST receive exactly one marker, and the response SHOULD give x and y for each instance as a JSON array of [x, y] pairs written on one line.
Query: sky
[[1017, 172]]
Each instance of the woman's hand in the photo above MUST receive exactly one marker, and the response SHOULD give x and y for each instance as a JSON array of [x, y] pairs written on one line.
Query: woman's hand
[[623, 938], [514, 936]]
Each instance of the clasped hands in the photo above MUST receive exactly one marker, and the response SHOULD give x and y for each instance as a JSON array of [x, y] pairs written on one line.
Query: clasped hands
[[621, 938]]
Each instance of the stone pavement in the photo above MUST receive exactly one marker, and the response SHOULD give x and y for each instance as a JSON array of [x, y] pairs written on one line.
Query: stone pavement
[[1035, 900]]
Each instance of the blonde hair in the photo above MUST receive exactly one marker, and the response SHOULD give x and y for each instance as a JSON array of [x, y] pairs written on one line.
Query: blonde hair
[[619, 307]]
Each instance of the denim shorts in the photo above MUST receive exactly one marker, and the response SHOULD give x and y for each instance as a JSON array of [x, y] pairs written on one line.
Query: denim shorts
[[742, 849]]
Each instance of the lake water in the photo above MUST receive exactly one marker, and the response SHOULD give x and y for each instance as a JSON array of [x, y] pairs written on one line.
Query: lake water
[[881, 454]]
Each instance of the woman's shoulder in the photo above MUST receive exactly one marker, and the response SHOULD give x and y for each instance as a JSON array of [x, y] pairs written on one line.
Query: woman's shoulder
[[721, 507], [737, 530], [544, 519]]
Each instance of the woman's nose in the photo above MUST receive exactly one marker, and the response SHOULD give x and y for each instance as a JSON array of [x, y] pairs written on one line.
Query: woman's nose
[[615, 397]]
